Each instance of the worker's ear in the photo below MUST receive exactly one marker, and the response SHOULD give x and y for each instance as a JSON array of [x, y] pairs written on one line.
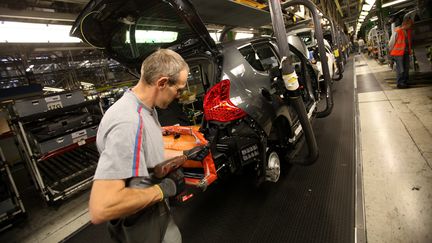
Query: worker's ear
[[162, 82]]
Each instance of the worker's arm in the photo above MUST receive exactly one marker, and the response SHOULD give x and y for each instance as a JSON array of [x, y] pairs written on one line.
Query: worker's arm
[[111, 199], [392, 40]]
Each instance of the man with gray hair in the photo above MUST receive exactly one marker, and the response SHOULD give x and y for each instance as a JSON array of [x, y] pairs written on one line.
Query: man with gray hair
[[124, 192]]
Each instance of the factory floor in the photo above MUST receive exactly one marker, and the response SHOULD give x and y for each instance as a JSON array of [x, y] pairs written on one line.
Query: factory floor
[[396, 164], [396, 140]]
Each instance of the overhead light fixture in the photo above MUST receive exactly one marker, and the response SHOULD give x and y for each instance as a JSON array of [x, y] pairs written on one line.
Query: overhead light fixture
[[19, 32], [52, 89], [86, 84], [373, 19], [393, 3], [367, 7]]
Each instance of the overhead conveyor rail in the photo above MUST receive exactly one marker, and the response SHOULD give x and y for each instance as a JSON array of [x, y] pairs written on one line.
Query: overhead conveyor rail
[[57, 133]]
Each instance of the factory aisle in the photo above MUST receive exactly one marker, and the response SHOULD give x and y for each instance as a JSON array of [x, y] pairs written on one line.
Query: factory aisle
[[396, 138]]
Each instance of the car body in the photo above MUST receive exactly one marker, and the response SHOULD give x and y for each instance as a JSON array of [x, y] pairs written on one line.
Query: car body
[[237, 91], [307, 34]]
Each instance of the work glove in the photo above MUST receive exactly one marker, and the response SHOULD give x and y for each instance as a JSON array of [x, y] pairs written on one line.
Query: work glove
[[197, 153], [173, 184]]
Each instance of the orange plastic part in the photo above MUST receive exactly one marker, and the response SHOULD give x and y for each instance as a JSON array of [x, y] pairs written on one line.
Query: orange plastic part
[[186, 137]]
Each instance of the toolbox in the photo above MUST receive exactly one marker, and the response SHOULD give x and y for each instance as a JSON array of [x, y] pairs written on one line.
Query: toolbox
[[30, 106]]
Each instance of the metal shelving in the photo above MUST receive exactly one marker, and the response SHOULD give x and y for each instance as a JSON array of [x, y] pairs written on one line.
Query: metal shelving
[[65, 69], [57, 134]]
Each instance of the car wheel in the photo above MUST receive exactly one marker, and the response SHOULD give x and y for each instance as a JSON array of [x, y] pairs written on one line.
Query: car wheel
[[273, 169]]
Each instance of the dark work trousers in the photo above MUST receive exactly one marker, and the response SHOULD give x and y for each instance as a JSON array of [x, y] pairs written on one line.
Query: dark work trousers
[[402, 68], [151, 225]]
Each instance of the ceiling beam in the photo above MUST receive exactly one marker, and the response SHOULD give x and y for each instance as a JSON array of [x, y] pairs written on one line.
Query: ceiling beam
[[350, 17], [36, 15], [73, 1], [338, 7], [349, 9], [349, 5]]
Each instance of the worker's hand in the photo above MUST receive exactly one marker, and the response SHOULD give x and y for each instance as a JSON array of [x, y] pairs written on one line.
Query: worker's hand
[[173, 184], [198, 153]]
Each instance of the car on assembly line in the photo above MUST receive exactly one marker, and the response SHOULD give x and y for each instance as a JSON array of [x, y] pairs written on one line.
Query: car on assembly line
[[247, 117], [307, 35]]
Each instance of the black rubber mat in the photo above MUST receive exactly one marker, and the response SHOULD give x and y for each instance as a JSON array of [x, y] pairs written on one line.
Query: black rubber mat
[[308, 204], [367, 83]]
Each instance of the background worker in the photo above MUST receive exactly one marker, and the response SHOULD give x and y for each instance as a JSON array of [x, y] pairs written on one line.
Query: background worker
[[400, 50], [361, 44], [130, 144]]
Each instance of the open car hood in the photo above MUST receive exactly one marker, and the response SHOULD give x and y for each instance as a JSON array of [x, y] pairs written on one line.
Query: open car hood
[[130, 30]]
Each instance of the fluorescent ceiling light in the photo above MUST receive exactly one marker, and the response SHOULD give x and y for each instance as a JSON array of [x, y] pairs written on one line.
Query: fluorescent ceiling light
[[366, 7], [52, 89], [374, 19], [393, 3], [86, 84], [18, 32]]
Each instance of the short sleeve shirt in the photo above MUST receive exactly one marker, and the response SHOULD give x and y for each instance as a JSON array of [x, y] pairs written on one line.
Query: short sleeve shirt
[[129, 140]]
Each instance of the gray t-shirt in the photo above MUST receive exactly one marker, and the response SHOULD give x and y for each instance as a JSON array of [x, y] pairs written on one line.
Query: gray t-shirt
[[129, 140]]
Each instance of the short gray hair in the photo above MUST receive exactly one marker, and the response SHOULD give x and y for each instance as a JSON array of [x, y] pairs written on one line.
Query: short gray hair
[[163, 63]]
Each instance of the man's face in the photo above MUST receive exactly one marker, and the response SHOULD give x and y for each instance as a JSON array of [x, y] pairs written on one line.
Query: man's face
[[168, 93]]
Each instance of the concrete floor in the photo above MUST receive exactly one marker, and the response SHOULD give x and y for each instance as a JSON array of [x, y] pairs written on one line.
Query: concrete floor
[[396, 138], [48, 224]]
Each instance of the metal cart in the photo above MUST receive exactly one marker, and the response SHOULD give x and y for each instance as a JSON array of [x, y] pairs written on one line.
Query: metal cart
[[11, 206], [57, 134]]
